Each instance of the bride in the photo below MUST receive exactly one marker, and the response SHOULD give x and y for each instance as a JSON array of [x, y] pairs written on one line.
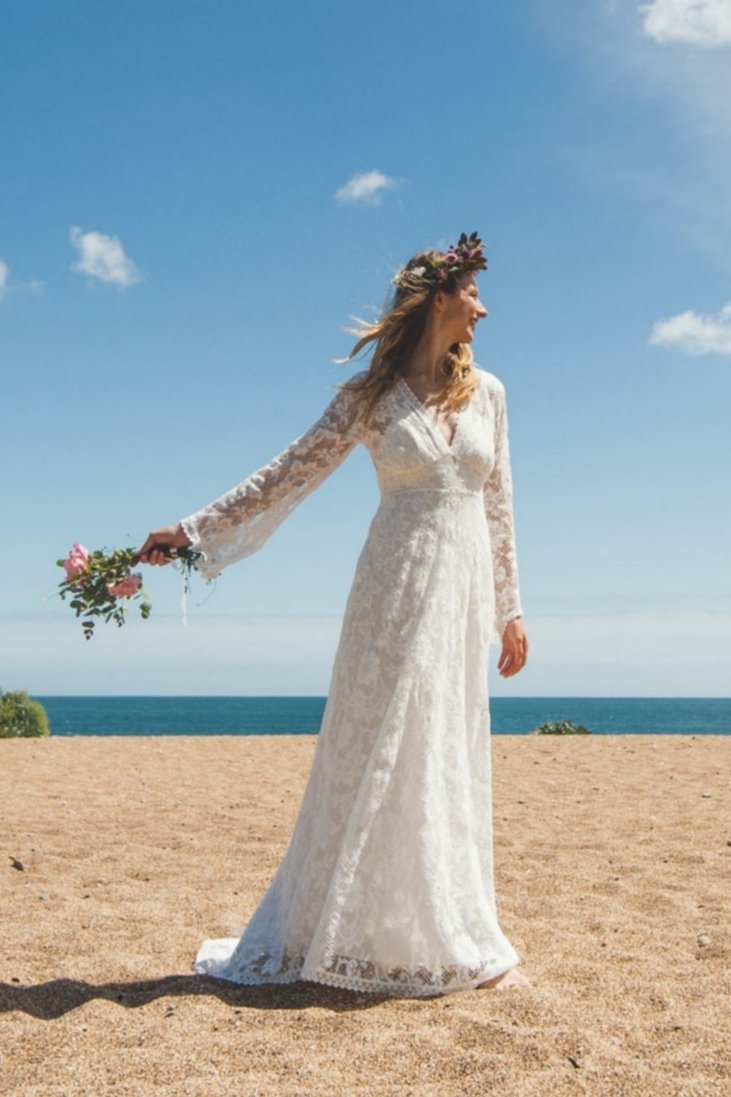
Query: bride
[[387, 882]]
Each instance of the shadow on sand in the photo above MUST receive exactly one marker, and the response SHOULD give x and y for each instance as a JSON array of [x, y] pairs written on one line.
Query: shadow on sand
[[48, 1001]]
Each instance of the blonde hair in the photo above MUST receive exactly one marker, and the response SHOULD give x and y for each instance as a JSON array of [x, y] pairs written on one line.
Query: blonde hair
[[396, 335]]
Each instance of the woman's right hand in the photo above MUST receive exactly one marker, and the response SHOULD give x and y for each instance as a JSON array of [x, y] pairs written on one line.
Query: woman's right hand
[[171, 536]]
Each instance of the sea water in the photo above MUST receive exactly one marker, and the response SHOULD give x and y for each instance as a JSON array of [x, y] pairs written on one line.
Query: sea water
[[302, 715]]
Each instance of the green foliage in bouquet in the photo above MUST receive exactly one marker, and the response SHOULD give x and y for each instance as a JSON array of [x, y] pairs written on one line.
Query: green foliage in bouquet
[[21, 717], [561, 727], [96, 583]]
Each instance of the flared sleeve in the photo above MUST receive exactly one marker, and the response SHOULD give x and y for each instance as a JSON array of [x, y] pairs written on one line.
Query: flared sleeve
[[240, 521], [499, 510]]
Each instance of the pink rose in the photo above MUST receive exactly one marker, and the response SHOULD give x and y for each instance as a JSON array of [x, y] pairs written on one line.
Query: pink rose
[[126, 587], [76, 562]]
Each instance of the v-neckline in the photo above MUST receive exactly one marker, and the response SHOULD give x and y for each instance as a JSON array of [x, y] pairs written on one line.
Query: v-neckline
[[421, 407]]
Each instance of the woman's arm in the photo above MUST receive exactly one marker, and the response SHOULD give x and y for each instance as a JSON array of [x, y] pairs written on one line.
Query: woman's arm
[[499, 511], [240, 521]]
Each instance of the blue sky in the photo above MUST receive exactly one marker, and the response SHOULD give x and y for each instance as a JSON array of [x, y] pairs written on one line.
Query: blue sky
[[196, 198]]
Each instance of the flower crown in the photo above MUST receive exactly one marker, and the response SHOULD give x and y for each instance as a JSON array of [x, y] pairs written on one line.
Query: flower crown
[[465, 256]]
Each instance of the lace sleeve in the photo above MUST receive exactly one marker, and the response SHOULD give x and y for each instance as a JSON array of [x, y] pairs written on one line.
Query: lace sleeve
[[239, 522], [499, 511]]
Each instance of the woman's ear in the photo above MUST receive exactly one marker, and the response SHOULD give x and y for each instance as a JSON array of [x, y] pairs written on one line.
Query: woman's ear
[[438, 300]]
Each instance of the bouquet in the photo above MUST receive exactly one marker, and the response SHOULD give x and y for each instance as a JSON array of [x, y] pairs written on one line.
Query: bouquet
[[98, 584]]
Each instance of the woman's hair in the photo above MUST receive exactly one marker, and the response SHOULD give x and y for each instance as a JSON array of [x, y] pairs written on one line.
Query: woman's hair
[[396, 335]]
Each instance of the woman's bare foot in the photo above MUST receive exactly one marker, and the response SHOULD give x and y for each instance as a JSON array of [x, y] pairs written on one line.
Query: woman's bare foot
[[512, 978]]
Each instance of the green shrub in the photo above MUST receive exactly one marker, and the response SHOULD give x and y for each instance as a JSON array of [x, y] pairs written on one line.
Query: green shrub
[[561, 727], [22, 717]]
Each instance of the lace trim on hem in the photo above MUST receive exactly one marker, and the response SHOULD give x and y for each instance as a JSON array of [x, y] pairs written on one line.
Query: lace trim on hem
[[392, 987], [342, 982]]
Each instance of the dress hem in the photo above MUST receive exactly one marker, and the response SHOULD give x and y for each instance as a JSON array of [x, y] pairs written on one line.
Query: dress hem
[[363, 986]]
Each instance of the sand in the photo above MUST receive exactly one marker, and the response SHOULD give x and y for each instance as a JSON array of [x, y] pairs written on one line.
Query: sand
[[613, 866]]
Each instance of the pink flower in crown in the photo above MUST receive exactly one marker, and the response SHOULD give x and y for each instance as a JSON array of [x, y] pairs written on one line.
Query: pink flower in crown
[[451, 258], [76, 562], [126, 587]]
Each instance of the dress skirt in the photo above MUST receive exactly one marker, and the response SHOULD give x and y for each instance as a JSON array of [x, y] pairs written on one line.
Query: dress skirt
[[387, 882]]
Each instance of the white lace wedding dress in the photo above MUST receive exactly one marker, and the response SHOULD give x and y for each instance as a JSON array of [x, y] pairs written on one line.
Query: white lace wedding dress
[[387, 883]]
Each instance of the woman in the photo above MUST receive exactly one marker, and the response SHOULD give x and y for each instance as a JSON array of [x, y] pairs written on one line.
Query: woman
[[387, 883]]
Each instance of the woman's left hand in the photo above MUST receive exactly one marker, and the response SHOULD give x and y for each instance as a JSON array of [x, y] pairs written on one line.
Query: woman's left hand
[[514, 654]]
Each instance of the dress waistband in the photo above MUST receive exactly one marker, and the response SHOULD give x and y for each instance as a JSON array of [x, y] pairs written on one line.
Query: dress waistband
[[476, 493]]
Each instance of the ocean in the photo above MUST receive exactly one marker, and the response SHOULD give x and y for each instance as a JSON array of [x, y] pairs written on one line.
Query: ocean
[[302, 715]]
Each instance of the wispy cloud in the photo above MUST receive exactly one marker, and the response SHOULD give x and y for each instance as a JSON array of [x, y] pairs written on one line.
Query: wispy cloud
[[695, 333], [366, 189], [705, 23], [104, 258], [640, 654], [7, 287], [683, 91], [660, 653], [264, 655]]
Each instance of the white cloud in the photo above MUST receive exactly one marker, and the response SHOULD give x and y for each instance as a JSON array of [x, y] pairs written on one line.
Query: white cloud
[[16, 287], [253, 655], [704, 23], [103, 257], [695, 333], [642, 654], [683, 93], [367, 188]]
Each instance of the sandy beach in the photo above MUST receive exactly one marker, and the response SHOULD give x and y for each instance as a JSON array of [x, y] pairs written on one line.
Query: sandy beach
[[613, 865]]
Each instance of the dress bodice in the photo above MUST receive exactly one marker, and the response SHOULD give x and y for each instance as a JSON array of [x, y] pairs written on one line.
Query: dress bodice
[[410, 454]]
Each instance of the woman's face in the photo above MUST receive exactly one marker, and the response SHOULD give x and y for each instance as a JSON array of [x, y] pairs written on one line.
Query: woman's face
[[462, 310]]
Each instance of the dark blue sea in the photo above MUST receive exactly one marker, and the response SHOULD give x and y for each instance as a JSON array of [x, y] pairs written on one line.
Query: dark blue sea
[[302, 715]]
